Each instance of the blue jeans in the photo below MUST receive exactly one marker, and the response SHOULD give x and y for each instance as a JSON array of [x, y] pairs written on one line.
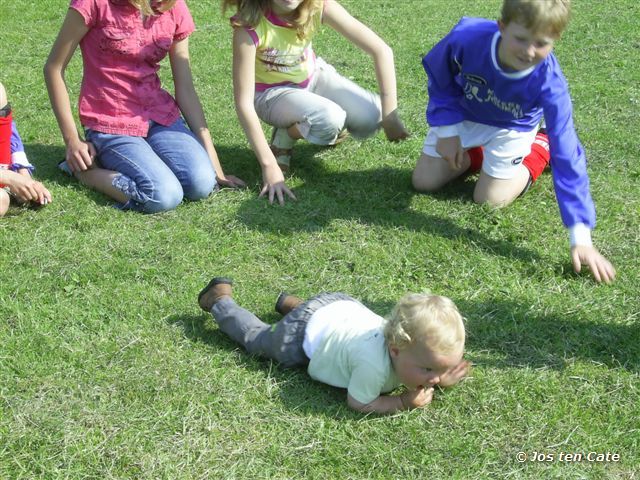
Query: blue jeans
[[159, 170]]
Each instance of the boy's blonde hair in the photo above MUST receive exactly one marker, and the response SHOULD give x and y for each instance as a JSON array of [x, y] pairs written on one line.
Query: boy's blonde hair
[[146, 8], [249, 13], [432, 320], [550, 16]]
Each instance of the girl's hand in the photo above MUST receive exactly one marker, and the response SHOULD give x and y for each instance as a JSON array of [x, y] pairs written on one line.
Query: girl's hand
[[231, 181], [393, 127], [273, 184], [417, 398], [27, 189], [450, 148], [457, 373], [80, 155], [601, 268]]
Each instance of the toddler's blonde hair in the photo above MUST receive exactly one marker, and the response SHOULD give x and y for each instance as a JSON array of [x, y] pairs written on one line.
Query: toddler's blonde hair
[[145, 6], [538, 15], [432, 320], [249, 13]]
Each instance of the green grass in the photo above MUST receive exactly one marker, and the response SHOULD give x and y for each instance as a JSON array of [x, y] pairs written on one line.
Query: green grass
[[108, 369]]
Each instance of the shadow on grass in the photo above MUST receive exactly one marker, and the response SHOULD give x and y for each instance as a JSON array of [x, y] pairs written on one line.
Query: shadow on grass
[[520, 338], [378, 196]]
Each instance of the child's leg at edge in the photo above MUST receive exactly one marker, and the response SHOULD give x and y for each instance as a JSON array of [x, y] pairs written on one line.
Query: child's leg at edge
[[101, 180], [5, 200]]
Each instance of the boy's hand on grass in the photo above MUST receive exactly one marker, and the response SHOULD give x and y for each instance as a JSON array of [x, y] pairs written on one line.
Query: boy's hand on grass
[[393, 127], [273, 184], [80, 155], [457, 373], [600, 267], [450, 148], [417, 398]]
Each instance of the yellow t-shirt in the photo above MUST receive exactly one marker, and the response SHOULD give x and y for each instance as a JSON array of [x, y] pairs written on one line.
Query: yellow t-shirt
[[281, 57]]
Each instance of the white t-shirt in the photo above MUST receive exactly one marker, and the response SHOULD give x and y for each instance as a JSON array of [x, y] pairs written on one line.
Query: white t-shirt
[[346, 347]]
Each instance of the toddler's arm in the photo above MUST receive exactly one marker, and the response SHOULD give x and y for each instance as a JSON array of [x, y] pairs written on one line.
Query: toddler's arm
[[391, 404]]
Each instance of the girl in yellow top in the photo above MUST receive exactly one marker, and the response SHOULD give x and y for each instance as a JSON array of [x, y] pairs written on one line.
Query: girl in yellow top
[[278, 78]]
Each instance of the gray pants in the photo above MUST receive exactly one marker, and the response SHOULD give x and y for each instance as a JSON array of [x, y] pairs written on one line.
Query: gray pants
[[330, 103], [281, 341]]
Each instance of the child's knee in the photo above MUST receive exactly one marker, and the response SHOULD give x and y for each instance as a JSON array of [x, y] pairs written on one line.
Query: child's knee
[[4, 202], [152, 198], [324, 127], [366, 122], [491, 197], [165, 198], [3, 96], [201, 183]]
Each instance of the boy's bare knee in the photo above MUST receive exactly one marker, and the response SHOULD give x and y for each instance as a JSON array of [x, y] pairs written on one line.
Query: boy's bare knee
[[491, 199], [423, 182]]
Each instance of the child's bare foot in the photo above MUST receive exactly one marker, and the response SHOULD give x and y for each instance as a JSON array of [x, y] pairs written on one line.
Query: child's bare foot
[[217, 289]]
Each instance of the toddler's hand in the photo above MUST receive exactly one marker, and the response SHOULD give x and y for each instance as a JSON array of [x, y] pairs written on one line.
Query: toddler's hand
[[454, 375], [393, 127], [273, 184], [417, 398], [80, 155], [601, 268], [450, 148]]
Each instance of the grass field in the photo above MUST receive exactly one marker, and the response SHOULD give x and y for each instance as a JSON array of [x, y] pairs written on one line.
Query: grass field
[[108, 369]]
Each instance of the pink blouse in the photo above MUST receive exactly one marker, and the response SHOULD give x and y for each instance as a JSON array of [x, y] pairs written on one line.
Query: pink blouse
[[121, 90]]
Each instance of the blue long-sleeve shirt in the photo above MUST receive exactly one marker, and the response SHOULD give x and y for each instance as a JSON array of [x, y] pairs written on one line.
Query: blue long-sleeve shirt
[[466, 82]]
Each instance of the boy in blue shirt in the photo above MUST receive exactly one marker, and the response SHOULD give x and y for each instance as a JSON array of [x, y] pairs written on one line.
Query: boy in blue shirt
[[490, 85]]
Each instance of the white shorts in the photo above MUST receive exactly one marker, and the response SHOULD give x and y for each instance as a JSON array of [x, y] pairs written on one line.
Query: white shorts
[[503, 151]]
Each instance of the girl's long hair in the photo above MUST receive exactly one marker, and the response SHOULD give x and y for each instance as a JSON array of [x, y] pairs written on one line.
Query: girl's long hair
[[249, 13], [152, 7]]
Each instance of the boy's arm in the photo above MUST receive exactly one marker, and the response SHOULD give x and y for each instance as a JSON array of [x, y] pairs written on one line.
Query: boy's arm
[[570, 177], [391, 404]]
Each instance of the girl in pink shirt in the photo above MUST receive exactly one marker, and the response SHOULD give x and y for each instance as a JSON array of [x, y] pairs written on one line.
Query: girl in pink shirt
[[150, 158]]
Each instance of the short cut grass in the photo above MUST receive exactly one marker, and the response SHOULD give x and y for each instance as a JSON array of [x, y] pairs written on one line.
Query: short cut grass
[[549, 16], [432, 320]]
